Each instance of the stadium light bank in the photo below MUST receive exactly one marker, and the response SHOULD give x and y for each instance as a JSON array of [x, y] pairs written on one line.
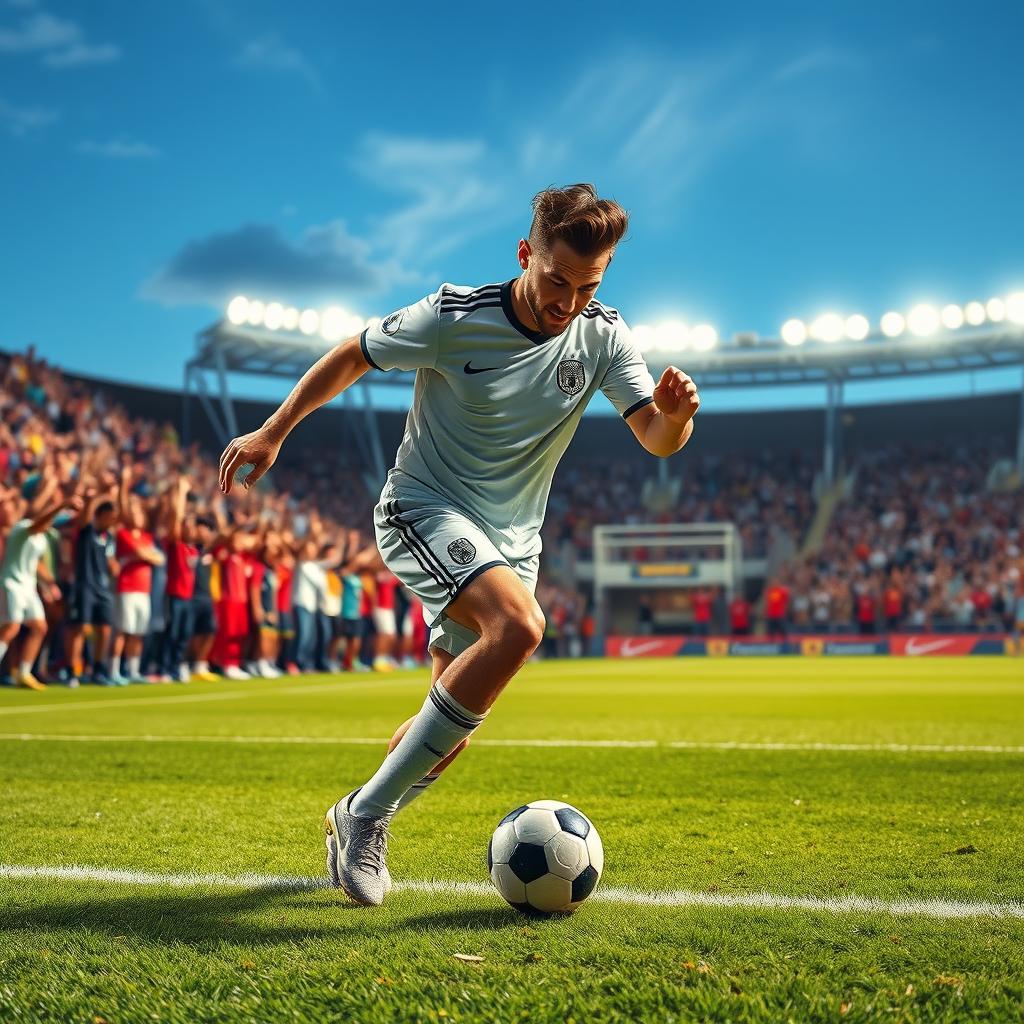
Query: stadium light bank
[[672, 337]]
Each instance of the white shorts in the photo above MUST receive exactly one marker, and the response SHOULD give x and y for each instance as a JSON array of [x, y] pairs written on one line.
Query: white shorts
[[19, 604], [133, 613], [384, 621], [436, 552]]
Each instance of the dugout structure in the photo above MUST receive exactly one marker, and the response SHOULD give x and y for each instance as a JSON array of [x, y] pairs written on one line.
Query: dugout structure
[[664, 555]]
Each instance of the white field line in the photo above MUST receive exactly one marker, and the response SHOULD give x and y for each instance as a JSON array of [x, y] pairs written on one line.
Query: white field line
[[355, 741], [635, 897], [189, 698]]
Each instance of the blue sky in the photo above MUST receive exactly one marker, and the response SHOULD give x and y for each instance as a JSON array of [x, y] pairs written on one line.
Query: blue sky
[[777, 159]]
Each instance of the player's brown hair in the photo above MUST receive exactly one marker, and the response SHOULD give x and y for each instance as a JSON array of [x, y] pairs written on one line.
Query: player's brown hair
[[586, 224]]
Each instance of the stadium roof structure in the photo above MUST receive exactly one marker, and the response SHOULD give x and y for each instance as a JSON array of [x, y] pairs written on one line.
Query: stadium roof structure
[[231, 348]]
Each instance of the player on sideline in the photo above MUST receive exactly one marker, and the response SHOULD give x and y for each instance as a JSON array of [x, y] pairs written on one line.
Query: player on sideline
[[504, 372]]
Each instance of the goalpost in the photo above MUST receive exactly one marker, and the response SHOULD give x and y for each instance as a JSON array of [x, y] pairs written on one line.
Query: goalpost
[[664, 555]]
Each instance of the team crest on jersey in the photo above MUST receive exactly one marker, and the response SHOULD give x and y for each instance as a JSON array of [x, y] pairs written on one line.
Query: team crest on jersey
[[389, 325], [462, 551], [571, 376]]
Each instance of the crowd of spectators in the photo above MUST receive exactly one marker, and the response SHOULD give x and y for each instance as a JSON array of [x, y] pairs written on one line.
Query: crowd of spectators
[[762, 494], [122, 562], [925, 540]]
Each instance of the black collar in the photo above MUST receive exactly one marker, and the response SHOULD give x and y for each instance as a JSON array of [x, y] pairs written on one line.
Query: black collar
[[506, 304]]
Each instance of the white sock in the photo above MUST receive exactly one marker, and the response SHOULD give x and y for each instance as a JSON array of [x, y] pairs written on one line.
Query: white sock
[[201, 666], [115, 665], [135, 666], [25, 668], [442, 724], [418, 789], [3, 649]]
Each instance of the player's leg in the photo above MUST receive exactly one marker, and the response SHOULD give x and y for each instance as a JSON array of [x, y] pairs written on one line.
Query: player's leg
[[504, 614], [441, 660]]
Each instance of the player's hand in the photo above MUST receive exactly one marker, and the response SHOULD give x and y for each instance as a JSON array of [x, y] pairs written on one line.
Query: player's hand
[[676, 396], [259, 449]]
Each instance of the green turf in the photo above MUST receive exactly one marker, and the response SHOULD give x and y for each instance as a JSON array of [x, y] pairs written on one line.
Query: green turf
[[790, 822]]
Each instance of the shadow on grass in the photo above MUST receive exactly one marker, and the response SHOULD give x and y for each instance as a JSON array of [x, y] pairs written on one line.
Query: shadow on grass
[[254, 917]]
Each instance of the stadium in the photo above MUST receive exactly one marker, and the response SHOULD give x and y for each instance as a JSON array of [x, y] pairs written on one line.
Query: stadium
[[730, 730]]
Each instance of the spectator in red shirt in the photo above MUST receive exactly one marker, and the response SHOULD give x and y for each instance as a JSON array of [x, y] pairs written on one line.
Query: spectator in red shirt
[[866, 611], [892, 605], [137, 554], [233, 606], [384, 621], [982, 601], [776, 607], [285, 613], [182, 559], [739, 616], [701, 605]]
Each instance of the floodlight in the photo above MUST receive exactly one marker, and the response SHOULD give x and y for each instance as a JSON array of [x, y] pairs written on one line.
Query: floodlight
[[923, 320], [995, 309], [952, 317], [893, 324], [333, 323], [643, 337], [827, 327], [1015, 307], [794, 332], [857, 327], [703, 337], [238, 309], [274, 315], [256, 311], [290, 318], [671, 336], [309, 321], [974, 313]]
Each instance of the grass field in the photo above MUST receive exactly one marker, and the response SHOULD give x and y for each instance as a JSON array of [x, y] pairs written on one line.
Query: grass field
[[830, 840]]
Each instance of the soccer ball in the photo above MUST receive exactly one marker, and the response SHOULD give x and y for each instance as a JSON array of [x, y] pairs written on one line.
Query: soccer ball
[[545, 856]]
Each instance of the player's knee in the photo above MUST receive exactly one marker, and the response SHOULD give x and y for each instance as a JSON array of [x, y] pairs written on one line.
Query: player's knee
[[522, 632]]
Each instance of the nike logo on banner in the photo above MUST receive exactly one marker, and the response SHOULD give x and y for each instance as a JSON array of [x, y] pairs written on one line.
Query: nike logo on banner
[[913, 647], [479, 369]]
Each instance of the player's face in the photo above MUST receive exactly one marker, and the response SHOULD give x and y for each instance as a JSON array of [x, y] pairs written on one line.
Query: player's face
[[559, 283]]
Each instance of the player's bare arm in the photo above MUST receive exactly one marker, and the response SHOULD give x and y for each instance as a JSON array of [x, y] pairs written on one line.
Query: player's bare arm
[[665, 426], [325, 379]]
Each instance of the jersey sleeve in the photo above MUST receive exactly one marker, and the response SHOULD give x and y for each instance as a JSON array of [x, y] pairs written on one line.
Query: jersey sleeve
[[405, 340], [627, 383]]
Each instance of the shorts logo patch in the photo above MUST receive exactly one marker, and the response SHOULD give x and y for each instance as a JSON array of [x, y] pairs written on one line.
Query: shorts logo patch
[[389, 325], [571, 376], [462, 551]]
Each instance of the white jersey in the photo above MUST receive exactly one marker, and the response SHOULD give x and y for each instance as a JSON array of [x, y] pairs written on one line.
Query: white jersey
[[21, 556], [495, 404]]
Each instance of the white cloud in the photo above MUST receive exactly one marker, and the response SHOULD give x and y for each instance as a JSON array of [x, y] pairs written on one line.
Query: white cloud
[[271, 53], [326, 263], [22, 120], [119, 149], [82, 55], [40, 31], [60, 41]]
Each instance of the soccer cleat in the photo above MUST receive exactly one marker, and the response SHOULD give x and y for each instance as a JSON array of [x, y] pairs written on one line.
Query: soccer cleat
[[29, 681], [234, 672], [357, 849]]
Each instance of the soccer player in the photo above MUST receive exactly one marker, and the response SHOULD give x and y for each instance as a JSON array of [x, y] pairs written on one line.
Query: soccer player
[[504, 372]]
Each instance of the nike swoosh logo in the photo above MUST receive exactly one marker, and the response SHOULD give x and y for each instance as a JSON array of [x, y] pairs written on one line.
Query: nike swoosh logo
[[913, 647], [630, 649], [479, 369]]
